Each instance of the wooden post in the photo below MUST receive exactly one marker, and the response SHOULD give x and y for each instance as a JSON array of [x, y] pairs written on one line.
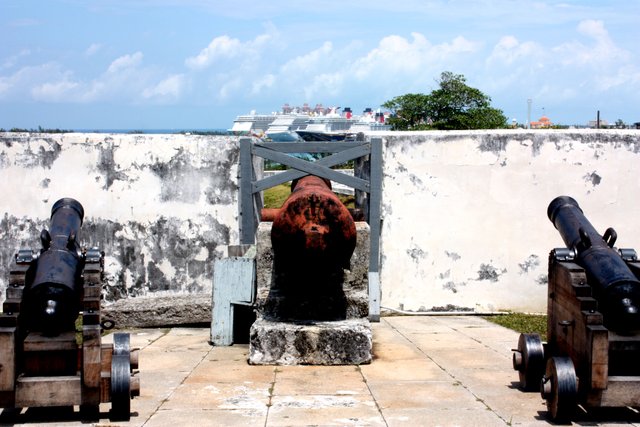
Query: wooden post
[[233, 283], [247, 219]]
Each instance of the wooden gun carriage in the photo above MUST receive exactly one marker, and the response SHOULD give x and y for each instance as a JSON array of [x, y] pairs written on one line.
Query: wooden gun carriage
[[44, 362], [593, 342]]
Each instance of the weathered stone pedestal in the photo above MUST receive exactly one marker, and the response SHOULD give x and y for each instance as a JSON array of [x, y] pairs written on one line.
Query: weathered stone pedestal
[[341, 342], [277, 340]]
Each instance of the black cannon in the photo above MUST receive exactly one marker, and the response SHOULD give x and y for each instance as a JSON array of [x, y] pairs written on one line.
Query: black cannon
[[615, 286], [52, 300], [44, 360], [593, 327]]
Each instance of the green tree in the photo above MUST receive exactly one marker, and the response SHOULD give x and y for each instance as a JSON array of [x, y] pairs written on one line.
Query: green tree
[[409, 112], [454, 105]]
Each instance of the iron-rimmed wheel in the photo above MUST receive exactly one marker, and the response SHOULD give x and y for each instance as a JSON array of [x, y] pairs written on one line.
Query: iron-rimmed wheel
[[528, 360], [559, 387], [121, 378]]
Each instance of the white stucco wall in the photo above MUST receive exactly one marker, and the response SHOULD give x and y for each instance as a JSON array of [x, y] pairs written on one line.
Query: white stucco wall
[[464, 213], [162, 207]]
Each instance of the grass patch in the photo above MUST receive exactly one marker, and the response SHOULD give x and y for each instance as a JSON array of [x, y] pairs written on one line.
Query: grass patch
[[274, 197], [523, 323]]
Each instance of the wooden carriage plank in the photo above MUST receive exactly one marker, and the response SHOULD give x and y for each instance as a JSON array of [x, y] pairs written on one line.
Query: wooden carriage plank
[[92, 290], [622, 391], [48, 391], [11, 306], [599, 356], [105, 387], [91, 355], [8, 358], [15, 292], [36, 341], [106, 353]]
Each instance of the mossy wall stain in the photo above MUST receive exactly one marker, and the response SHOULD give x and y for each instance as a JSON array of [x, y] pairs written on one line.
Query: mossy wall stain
[[107, 165], [159, 235]]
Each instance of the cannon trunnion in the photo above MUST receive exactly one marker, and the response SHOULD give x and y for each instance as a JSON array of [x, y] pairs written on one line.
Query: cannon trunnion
[[44, 361], [593, 332]]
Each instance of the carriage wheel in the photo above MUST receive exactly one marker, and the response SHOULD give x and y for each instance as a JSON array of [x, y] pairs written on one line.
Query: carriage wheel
[[121, 378], [528, 360], [559, 387]]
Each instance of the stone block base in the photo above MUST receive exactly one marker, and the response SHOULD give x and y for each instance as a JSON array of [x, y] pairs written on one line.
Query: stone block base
[[160, 311], [343, 342]]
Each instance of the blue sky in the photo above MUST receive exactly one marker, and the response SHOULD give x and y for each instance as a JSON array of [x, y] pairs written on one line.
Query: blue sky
[[143, 64]]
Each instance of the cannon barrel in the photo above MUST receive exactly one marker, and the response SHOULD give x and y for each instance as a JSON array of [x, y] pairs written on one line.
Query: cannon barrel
[[53, 295], [615, 286], [313, 226]]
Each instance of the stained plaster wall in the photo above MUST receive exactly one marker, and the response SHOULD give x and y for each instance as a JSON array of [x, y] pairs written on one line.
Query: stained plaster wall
[[464, 213], [162, 207]]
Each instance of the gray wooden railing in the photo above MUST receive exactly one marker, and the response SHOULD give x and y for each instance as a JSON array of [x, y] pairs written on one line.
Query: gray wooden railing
[[367, 183]]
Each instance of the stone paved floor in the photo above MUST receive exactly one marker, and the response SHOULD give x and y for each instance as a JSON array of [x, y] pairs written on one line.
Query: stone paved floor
[[427, 371]]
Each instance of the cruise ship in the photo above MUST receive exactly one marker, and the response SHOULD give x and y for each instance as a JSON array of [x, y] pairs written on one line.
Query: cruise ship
[[309, 124]]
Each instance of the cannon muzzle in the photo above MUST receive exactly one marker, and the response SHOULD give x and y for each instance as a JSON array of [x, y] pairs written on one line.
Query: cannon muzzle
[[313, 227], [53, 296], [614, 285]]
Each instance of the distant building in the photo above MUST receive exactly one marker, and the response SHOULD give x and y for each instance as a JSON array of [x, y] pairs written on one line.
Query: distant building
[[594, 124], [542, 123]]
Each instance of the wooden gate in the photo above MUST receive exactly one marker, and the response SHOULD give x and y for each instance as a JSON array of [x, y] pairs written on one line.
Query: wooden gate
[[366, 182]]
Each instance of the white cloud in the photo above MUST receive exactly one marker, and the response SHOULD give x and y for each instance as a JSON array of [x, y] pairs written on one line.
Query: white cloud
[[509, 51], [220, 47], [262, 83], [229, 88], [601, 51], [625, 75], [330, 84], [169, 88], [230, 67], [22, 81], [459, 45], [124, 79], [396, 55], [594, 29], [93, 49], [327, 72], [12, 60], [54, 92], [395, 52], [225, 47], [589, 64], [341, 69], [4, 85], [125, 62], [309, 61]]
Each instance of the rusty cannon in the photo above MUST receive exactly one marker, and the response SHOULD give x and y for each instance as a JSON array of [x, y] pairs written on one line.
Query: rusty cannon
[[45, 361], [313, 237], [593, 321]]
